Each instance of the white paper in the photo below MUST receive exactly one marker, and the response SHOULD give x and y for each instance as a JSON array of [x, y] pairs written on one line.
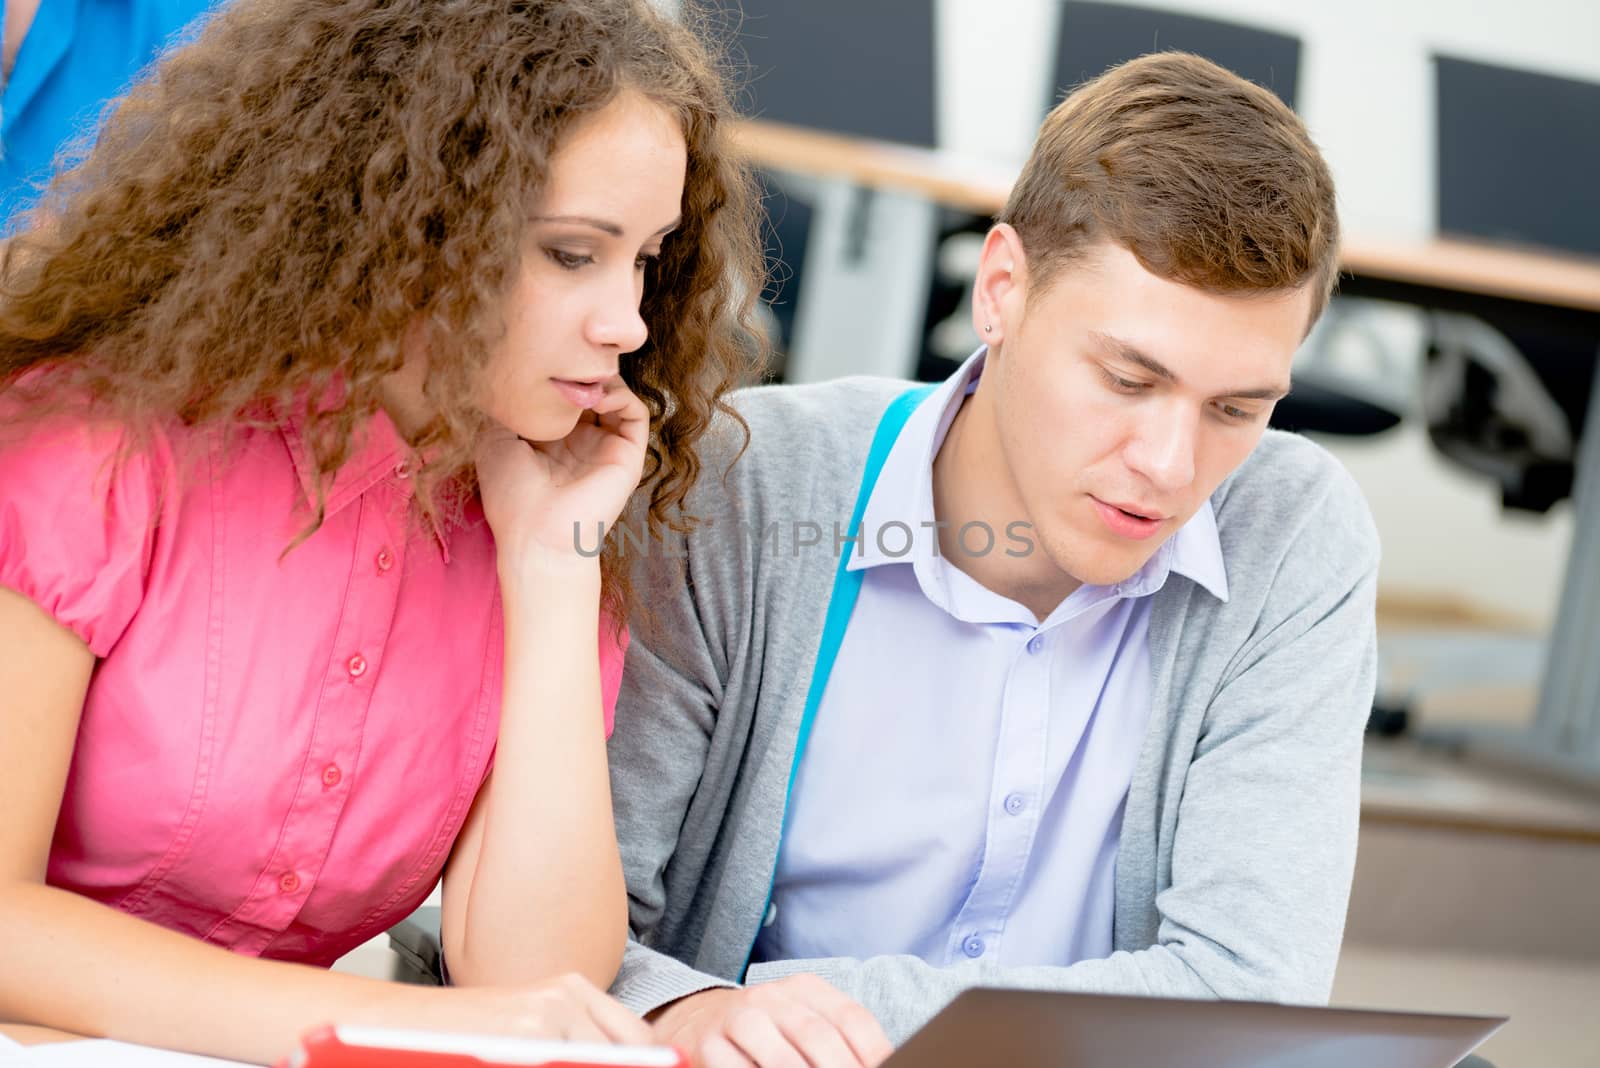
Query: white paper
[[102, 1053]]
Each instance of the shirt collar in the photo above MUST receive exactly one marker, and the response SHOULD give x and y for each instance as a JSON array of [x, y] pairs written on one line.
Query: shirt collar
[[378, 455], [1196, 552], [899, 514]]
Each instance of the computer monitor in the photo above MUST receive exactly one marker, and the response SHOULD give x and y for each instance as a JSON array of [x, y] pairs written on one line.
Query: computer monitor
[[1518, 155], [845, 66], [1095, 36]]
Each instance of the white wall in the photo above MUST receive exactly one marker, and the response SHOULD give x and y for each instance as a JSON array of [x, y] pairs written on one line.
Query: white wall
[[1366, 92]]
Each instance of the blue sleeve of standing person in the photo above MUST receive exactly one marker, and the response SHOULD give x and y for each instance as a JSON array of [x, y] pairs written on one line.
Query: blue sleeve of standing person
[[77, 56]]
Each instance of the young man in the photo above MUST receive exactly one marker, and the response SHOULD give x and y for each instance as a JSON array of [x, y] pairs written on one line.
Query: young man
[[1080, 706]]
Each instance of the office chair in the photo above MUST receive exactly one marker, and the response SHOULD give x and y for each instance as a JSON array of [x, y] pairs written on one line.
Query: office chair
[[419, 957], [1507, 390]]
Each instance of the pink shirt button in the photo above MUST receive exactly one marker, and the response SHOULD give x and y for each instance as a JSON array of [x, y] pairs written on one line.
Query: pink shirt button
[[331, 775], [288, 882], [402, 469], [357, 666], [385, 559]]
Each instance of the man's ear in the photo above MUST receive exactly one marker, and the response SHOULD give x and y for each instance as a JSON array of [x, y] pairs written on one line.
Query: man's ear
[[999, 293]]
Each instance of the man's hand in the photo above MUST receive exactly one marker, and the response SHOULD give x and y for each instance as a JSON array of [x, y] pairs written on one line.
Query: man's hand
[[798, 1022]]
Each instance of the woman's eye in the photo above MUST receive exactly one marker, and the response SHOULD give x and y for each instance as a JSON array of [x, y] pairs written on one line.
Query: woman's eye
[[570, 261]]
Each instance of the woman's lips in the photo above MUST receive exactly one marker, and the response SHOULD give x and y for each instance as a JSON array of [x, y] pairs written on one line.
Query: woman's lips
[[1124, 524], [580, 394]]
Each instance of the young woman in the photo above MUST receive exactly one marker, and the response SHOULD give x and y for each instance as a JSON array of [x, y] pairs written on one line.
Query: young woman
[[355, 314]]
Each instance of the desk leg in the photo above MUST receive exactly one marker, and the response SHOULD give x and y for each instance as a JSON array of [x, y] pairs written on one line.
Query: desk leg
[[1564, 740], [1569, 700], [864, 293]]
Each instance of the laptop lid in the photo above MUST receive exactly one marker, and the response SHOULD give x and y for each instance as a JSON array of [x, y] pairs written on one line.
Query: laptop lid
[[1034, 1029]]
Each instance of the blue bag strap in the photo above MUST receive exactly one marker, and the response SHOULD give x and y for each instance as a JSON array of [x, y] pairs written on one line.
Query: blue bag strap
[[842, 601]]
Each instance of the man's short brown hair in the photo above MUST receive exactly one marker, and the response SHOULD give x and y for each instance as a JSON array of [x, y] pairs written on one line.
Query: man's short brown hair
[[1208, 179]]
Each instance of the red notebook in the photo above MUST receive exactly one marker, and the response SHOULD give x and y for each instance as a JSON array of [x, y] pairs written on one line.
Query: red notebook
[[377, 1047]]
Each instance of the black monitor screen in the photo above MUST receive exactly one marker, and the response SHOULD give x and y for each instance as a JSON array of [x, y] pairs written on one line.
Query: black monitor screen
[[839, 65], [1518, 156], [1097, 36]]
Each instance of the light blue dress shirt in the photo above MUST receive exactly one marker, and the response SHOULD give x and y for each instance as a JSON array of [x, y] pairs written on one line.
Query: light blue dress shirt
[[77, 55], [961, 795]]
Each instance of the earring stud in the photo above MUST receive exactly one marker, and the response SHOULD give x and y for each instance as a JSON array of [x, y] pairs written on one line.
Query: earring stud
[[988, 328]]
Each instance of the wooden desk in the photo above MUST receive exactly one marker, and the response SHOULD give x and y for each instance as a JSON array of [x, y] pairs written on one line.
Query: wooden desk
[[29, 1035], [1404, 785], [964, 183]]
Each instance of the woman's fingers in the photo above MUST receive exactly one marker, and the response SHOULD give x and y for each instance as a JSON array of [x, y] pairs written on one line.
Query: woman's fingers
[[622, 412]]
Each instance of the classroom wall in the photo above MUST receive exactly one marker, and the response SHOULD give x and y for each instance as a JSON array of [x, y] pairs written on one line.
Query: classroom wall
[[1366, 92]]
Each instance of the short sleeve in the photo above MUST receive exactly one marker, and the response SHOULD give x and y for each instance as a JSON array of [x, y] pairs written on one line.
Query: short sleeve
[[77, 526], [613, 647]]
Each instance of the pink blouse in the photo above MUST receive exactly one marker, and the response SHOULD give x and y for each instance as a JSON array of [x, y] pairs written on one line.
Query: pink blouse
[[276, 750]]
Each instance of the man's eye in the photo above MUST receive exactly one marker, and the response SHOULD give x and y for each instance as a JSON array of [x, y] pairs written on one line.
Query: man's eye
[[1120, 384], [1237, 414]]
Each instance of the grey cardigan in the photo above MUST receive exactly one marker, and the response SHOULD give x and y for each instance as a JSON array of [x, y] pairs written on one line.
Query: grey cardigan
[[1239, 835]]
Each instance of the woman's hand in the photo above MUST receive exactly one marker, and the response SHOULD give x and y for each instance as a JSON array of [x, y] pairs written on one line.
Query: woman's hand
[[540, 497], [568, 1009]]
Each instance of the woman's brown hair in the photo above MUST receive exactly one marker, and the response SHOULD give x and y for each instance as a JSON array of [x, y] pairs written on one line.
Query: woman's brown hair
[[262, 220]]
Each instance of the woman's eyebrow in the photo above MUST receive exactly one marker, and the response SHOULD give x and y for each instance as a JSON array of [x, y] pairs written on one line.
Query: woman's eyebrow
[[603, 225]]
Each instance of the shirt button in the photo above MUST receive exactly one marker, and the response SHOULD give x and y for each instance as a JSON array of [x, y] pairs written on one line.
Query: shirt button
[[973, 946], [1035, 644], [402, 469], [357, 666], [331, 775], [1015, 803], [771, 917], [385, 559], [288, 882]]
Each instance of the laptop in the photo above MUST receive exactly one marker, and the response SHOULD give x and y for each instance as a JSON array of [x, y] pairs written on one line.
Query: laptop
[[1034, 1029]]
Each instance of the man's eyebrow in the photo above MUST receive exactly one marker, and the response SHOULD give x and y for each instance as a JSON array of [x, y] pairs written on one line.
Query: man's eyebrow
[[1265, 393], [603, 225], [1125, 351], [1122, 350]]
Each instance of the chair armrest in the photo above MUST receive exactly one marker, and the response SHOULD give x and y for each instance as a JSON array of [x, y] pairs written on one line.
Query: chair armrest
[[415, 941]]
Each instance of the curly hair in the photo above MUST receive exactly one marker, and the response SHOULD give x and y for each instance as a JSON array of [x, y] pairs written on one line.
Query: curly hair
[[262, 219]]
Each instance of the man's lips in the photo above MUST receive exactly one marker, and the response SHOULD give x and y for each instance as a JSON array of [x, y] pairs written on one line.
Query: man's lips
[[1126, 521], [1135, 509]]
